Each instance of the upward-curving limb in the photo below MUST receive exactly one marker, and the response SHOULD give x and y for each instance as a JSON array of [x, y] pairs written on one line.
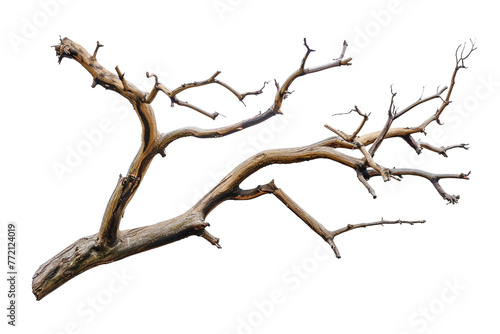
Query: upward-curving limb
[[111, 244]]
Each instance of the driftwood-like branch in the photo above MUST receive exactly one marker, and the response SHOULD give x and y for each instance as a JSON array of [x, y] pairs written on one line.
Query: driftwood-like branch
[[111, 244]]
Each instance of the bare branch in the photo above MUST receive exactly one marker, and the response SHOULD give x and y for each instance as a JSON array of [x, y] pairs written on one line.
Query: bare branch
[[355, 133], [317, 227], [362, 179], [112, 244], [343, 50], [154, 91], [360, 127], [87, 253], [443, 149], [459, 64], [172, 94], [339, 133], [433, 178], [201, 111], [283, 91], [99, 45], [420, 101], [302, 214], [241, 96], [121, 76], [167, 138], [350, 227], [210, 238], [309, 50], [186, 86], [390, 118]]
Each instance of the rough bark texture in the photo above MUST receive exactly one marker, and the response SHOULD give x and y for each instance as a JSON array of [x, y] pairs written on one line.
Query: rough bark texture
[[110, 244]]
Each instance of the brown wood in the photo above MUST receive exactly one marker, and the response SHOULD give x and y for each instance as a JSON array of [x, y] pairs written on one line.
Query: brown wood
[[110, 244]]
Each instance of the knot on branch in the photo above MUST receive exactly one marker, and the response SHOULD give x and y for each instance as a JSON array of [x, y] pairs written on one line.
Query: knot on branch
[[129, 179]]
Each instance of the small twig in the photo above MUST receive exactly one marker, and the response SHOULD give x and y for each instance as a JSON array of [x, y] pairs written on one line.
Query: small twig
[[443, 149], [122, 78], [433, 178], [154, 91], [350, 227], [308, 52], [339, 133], [99, 45], [172, 94], [421, 101], [344, 48], [186, 86], [362, 179], [240, 96], [201, 111], [365, 118], [390, 118], [283, 91], [210, 238], [360, 127]]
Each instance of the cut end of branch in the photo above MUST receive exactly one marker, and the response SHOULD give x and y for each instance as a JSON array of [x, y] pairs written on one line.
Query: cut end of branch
[[210, 238], [334, 247]]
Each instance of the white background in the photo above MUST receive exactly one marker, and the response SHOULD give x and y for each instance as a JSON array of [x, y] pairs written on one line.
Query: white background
[[272, 274]]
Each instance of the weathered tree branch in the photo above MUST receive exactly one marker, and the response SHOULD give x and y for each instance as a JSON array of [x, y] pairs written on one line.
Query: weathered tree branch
[[110, 244], [350, 227]]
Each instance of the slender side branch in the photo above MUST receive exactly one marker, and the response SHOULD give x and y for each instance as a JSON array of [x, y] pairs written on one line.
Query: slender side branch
[[443, 149], [302, 214], [432, 177], [99, 45], [343, 135], [241, 96], [459, 64], [360, 127], [308, 52], [420, 101], [350, 227], [201, 111], [210, 238], [390, 118], [363, 180], [172, 94], [283, 91], [167, 138]]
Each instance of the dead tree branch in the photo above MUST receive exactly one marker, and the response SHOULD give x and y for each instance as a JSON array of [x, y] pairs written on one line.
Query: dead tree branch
[[112, 244]]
